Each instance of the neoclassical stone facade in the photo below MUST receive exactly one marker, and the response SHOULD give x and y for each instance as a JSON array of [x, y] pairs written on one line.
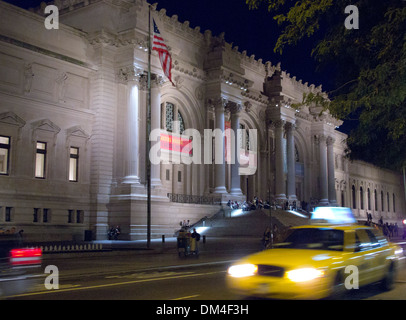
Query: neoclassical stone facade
[[73, 128]]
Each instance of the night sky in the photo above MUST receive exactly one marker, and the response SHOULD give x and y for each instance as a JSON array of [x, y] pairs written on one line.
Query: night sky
[[252, 30]]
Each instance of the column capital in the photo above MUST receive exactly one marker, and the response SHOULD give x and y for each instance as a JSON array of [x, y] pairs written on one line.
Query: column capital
[[320, 138], [247, 106], [216, 102], [234, 108], [156, 81], [278, 123], [330, 141], [129, 73], [289, 126]]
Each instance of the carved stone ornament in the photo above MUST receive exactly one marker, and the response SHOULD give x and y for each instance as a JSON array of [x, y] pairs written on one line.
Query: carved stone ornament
[[129, 74]]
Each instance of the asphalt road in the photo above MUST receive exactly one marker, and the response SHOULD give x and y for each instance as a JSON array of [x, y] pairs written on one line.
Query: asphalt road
[[160, 274]]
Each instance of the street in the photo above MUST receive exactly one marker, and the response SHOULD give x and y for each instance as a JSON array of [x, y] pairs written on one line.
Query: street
[[160, 274]]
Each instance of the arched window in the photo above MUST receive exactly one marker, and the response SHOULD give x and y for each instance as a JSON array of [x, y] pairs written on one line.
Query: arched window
[[245, 137], [342, 199], [361, 198], [171, 114], [376, 200], [369, 199], [297, 159], [354, 202], [181, 123], [382, 202], [387, 200]]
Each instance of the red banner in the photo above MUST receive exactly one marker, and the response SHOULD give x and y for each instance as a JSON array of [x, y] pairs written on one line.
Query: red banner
[[176, 143]]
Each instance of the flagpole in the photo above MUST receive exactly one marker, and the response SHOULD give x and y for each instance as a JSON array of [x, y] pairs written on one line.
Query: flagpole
[[148, 144]]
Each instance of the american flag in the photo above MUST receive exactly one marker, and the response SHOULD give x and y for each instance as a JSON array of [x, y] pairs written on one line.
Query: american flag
[[158, 44]]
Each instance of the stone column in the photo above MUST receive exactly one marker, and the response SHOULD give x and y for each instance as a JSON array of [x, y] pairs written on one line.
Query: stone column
[[321, 141], [280, 185], [290, 148], [132, 174], [220, 164], [235, 125], [332, 197], [155, 124]]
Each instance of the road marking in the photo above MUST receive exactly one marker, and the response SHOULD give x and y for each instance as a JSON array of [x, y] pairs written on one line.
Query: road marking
[[112, 284], [187, 297]]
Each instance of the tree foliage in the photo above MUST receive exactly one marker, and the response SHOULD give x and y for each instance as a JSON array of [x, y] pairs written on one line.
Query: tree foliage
[[369, 65]]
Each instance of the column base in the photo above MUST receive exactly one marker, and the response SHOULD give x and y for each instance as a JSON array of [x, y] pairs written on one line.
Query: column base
[[156, 183], [132, 180], [324, 202], [221, 190], [333, 203], [281, 196], [236, 192]]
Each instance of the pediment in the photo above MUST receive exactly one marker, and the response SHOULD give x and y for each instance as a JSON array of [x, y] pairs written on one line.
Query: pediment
[[77, 131], [46, 125], [12, 119]]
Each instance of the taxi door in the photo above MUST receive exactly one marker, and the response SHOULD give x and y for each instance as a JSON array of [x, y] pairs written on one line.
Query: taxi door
[[370, 255], [355, 246]]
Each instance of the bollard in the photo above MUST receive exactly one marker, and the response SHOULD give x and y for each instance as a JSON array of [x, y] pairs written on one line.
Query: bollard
[[204, 239], [163, 238]]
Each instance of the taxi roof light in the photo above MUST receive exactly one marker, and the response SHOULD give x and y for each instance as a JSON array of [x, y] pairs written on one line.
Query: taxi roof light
[[332, 215]]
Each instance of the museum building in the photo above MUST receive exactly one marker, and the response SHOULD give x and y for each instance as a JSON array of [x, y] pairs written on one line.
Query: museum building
[[73, 110]]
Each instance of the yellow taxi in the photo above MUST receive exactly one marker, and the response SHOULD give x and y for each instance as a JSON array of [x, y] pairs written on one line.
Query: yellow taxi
[[331, 255]]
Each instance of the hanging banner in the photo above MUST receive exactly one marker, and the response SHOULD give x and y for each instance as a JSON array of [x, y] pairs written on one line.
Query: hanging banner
[[175, 143]]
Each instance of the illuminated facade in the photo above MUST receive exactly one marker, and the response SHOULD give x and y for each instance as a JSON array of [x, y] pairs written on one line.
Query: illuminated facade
[[73, 127]]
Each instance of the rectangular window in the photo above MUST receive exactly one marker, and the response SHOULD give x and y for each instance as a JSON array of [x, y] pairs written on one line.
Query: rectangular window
[[167, 175], [179, 176], [40, 160], [79, 216], [73, 164], [70, 216], [8, 214], [4, 154], [46, 215], [36, 215]]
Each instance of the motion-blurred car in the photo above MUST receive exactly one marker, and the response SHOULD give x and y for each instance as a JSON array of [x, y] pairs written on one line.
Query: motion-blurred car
[[20, 267], [319, 260]]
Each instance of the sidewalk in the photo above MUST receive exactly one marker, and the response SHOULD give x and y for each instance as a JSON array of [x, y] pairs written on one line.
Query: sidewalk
[[133, 256]]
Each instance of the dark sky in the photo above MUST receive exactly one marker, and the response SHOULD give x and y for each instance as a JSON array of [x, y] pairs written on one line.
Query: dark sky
[[252, 30]]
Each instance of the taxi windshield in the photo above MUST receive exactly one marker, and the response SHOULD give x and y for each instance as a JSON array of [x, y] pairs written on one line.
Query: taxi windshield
[[314, 238]]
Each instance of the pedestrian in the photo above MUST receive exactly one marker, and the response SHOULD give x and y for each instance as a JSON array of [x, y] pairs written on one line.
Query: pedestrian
[[266, 238], [195, 238], [117, 232], [275, 234]]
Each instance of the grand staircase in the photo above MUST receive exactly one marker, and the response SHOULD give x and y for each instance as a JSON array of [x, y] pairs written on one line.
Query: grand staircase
[[238, 223]]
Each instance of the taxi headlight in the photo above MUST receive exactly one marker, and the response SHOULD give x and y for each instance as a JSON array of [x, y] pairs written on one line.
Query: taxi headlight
[[242, 270], [305, 274]]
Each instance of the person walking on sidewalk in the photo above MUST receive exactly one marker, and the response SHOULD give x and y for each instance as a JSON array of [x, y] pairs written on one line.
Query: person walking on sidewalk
[[195, 237]]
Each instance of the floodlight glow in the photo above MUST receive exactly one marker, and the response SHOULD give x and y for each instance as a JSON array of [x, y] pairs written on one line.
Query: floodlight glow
[[236, 213], [201, 229], [297, 214], [335, 215]]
